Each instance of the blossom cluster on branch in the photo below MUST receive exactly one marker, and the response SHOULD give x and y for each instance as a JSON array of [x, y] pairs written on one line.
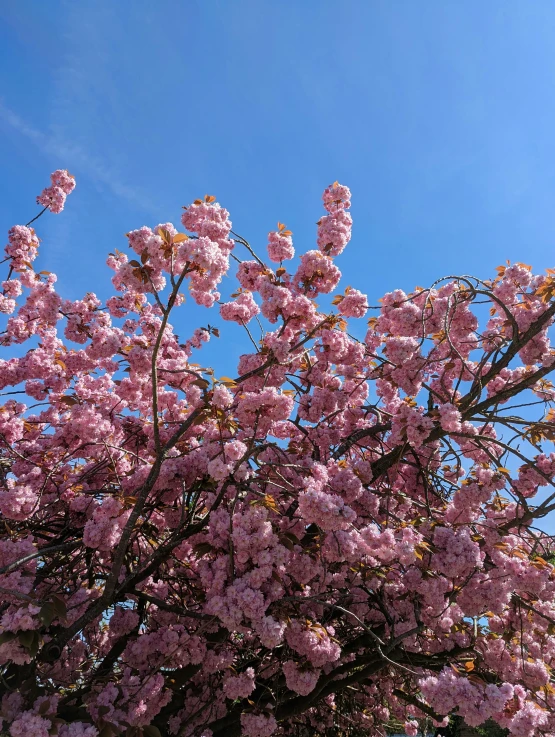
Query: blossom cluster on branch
[[347, 532]]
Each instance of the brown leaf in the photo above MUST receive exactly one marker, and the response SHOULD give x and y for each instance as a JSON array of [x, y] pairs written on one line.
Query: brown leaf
[[69, 401], [226, 381], [201, 383], [202, 549]]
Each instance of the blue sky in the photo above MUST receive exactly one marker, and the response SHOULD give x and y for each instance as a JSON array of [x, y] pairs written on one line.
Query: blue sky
[[440, 116]]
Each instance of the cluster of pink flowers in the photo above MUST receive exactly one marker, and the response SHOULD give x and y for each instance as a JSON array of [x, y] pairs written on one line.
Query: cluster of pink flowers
[[241, 310], [22, 247], [316, 274], [280, 247], [301, 680], [458, 554], [313, 641], [479, 703], [264, 408], [18, 502], [104, 528], [334, 230], [30, 725], [450, 418], [54, 197], [258, 725], [327, 510], [240, 686], [270, 631], [411, 423], [353, 304]]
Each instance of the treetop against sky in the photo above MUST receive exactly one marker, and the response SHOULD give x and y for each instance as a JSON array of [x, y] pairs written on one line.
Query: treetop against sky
[[344, 532]]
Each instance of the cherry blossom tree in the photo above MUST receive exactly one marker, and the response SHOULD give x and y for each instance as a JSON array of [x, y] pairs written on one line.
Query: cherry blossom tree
[[347, 531]]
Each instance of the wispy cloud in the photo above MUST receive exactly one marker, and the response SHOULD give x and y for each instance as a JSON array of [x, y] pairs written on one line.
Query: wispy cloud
[[67, 152]]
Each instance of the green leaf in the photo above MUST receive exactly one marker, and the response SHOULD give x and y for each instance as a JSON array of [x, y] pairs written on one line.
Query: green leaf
[[44, 708], [35, 644], [151, 731], [60, 607], [106, 731], [26, 638], [47, 613]]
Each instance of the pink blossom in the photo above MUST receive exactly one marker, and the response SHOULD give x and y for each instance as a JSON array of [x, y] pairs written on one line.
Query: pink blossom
[[316, 274], [78, 729], [336, 197], [450, 418], [18, 502], [30, 725], [242, 310], [280, 247], [240, 686], [334, 232], [353, 304], [300, 680], [23, 246], [257, 725], [54, 197], [327, 510]]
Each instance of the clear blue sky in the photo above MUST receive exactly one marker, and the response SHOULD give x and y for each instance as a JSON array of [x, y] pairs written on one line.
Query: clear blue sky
[[439, 115]]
